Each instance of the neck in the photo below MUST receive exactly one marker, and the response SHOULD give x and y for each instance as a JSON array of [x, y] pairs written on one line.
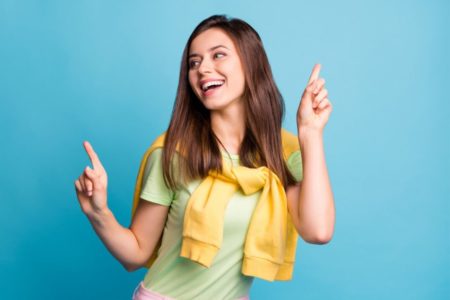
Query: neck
[[229, 127]]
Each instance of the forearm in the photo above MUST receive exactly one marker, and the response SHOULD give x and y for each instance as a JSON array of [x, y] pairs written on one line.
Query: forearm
[[120, 241], [316, 204]]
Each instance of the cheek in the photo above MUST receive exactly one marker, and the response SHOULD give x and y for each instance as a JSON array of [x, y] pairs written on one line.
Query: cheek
[[239, 79], [192, 81], [237, 74], [242, 79]]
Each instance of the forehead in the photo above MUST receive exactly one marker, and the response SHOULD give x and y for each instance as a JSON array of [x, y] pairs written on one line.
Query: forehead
[[209, 39]]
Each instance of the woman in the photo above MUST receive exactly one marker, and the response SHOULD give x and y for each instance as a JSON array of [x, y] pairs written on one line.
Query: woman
[[215, 191]]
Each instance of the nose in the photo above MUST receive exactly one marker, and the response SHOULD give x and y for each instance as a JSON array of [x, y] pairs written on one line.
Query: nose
[[205, 66]]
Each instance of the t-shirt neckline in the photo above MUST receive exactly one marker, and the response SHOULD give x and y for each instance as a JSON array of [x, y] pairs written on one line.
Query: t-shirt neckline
[[233, 156]]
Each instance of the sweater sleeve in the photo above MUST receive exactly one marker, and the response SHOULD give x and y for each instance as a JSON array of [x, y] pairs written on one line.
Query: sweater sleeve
[[295, 165], [154, 188]]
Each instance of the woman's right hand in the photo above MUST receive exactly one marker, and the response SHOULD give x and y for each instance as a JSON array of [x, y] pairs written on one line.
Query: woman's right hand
[[92, 184]]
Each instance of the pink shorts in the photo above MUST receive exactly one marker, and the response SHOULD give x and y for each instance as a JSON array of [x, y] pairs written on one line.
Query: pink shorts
[[143, 293]]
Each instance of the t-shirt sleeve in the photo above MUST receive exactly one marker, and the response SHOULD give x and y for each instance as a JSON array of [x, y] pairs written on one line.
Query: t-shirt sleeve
[[295, 165], [154, 189]]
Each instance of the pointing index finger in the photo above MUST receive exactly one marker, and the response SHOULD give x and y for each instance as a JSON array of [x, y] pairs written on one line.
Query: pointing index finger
[[315, 73], [92, 155]]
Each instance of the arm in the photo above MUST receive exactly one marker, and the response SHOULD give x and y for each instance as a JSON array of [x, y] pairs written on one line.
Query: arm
[[133, 246], [311, 202]]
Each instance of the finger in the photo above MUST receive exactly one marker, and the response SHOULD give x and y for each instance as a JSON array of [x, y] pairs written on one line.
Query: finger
[[78, 186], [315, 73], [83, 185], [319, 85], [90, 180], [318, 99], [93, 156], [325, 102], [91, 174], [321, 95], [89, 186]]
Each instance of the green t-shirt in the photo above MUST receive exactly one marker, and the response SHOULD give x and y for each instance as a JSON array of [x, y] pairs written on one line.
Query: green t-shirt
[[180, 278]]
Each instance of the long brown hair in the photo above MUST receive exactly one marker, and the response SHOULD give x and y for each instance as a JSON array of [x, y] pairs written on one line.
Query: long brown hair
[[190, 132]]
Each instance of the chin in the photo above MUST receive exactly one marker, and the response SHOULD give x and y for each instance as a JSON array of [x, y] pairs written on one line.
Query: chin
[[216, 104]]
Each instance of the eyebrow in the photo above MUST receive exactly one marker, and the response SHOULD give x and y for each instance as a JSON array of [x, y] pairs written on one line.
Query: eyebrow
[[209, 50]]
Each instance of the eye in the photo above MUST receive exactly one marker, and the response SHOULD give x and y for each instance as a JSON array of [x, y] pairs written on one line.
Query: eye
[[193, 63], [219, 55]]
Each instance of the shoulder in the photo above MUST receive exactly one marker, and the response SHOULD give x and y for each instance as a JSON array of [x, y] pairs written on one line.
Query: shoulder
[[159, 141], [156, 144], [289, 142]]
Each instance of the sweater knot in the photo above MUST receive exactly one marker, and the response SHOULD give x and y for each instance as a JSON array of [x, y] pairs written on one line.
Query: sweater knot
[[250, 180]]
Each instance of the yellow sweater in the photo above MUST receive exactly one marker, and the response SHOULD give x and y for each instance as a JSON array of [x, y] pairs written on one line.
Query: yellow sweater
[[270, 245]]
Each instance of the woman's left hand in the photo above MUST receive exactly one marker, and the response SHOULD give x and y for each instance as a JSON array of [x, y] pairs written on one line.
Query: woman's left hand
[[315, 107]]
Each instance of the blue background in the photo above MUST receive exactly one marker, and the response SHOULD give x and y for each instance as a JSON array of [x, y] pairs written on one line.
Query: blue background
[[107, 72]]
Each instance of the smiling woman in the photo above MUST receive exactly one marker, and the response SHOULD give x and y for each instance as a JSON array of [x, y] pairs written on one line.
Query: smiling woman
[[222, 196]]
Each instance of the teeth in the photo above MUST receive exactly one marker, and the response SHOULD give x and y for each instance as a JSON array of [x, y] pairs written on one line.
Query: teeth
[[209, 83]]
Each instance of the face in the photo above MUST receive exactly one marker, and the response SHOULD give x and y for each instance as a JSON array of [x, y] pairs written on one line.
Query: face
[[215, 71]]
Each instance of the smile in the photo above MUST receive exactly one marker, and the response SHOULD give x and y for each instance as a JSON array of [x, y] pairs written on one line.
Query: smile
[[212, 85]]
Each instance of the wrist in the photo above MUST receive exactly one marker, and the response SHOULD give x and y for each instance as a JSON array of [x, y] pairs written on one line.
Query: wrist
[[307, 134], [99, 215]]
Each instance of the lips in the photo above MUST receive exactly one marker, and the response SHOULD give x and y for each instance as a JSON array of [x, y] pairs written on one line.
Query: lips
[[209, 86], [203, 81], [210, 91], [212, 84]]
